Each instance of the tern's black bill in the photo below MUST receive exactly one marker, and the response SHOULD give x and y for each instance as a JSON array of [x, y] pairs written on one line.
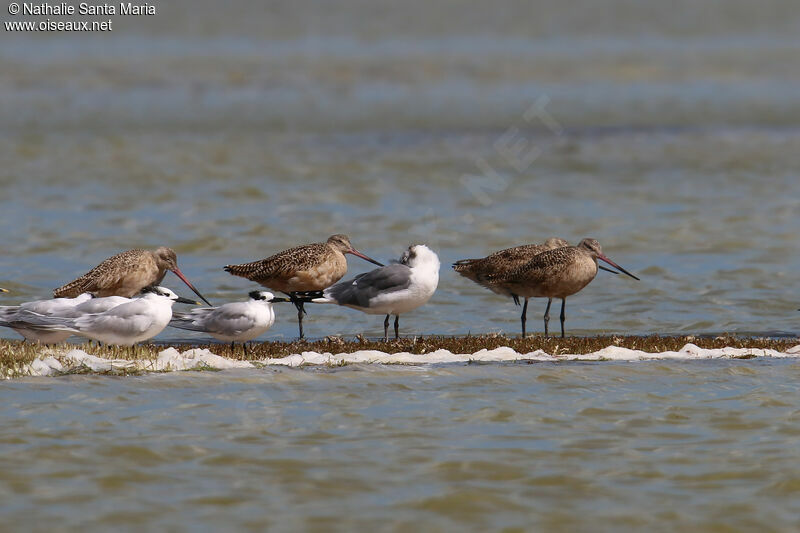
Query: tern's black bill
[[182, 300]]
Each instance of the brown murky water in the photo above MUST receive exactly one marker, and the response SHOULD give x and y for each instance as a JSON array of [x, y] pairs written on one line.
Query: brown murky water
[[703, 445]]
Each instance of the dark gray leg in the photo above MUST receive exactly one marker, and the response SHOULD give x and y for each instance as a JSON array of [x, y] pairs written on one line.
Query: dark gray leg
[[563, 317], [386, 329], [547, 316], [245, 348], [524, 317], [396, 326], [300, 311], [300, 318]]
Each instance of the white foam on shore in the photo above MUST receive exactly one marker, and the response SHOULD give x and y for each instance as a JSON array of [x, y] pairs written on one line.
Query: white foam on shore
[[53, 362]]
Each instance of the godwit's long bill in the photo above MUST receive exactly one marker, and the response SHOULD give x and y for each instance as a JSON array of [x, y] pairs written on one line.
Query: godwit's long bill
[[126, 274], [557, 273], [234, 321], [3, 290], [132, 322], [389, 290], [309, 267]]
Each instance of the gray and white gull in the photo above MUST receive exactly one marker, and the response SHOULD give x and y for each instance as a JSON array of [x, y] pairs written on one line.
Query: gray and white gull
[[393, 289]]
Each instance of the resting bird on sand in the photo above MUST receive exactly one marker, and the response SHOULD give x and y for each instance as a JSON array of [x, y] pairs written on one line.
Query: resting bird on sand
[[126, 274], [56, 307], [233, 322], [389, 290], [310, 267], [137, 320]]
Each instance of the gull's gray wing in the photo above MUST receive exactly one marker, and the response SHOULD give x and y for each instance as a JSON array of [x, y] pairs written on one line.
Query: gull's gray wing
[[359, 291]]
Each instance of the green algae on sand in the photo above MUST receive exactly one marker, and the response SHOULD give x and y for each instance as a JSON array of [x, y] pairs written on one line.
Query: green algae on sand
[[16, 356]]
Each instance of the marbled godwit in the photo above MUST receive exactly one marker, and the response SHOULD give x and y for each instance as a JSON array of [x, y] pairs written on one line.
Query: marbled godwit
[[557, 273], [232, 322], [310, 267], [14, 314], [126, 274], [389, 290], [132, 322], [488, 270]]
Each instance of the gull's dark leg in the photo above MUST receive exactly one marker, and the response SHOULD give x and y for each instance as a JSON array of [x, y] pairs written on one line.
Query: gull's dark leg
[[524, 317], [563, 316], [386, 329], [547, 316], [396, 326]]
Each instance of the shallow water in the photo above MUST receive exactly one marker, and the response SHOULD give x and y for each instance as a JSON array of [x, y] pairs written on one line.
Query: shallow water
[[668, 134], [230, 131], [711, 445]]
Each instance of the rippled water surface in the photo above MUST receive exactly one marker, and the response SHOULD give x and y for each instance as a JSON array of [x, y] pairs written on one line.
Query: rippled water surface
[[566, 447], [668, 131], [670, 135]]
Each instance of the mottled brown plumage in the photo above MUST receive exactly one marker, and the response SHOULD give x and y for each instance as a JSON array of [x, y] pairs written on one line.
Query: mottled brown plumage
[[126, 274], [487, 270], [309, 267], [556, 273]]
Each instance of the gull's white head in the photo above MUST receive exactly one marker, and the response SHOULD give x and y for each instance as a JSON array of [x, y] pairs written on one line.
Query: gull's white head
[[420, 256]]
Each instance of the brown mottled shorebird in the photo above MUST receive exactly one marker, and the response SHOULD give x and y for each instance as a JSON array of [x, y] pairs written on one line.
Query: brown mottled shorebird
[[126, 274], [309, 267], [556, 273], [485, 270], [490, 270]]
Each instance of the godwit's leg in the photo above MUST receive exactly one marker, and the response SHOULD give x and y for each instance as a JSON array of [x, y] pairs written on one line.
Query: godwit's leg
[[298, 303], [515, 298], [547, 316], [563, 317], [245, 348], [396, 326], [386, 329], [524, 317]]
